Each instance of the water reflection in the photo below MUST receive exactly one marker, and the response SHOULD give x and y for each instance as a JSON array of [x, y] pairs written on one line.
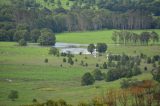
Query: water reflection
[[72, 48]]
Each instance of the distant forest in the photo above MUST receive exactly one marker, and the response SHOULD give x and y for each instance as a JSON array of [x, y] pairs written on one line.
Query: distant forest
[[81, 15]]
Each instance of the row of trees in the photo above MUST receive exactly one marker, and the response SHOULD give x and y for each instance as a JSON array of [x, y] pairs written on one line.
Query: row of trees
[[100, 47], [127, 37], [22, 32]]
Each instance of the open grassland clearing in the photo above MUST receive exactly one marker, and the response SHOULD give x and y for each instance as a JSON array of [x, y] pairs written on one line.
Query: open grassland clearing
[[23, 69], [93, 36]]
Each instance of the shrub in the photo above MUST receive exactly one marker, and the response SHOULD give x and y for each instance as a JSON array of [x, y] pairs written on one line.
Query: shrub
[[91, 48], [46, 60], [86, 64], [97, 65], [145, 68], [63, 54], [112, 75], [105, 65], [64, 60], [54, 51], [34, 100], [101, 47], [156, 74], [149, 60], [82, 62], [85, 57], [22, 42], [70, 61], [13, 95], [154, 65], [76, 60], [97, 74], [136, 70], [87, 79], [80, 53]]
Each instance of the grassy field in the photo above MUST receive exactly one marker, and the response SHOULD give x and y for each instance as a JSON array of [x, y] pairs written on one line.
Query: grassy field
[[92, 36], [33, 78]]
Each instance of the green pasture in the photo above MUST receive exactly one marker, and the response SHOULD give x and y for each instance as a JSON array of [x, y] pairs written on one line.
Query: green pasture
[[33, 78], [92, 36]]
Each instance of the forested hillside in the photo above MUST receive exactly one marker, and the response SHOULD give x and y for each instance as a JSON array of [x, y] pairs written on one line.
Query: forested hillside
[[76, 15]]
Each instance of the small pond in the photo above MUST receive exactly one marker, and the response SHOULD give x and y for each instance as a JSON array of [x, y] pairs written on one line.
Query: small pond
[[72, 48]]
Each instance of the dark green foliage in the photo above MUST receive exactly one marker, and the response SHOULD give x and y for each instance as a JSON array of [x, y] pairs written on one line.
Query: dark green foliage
[[13, 95], [97, 65], [86, 64], [64, 60], [149, 60], [97, 74], [104, 65], [87, 79], [112, 75], [145, 68], [76, 60], [22, 42], [125, 67], [70, 61], [63, 54], [136, 70], [54, 51], [144, 38], [91, 48], [35, 33], [82, 62], [34, 100], [126, 37], [154, 65], [46, 60], [21, 34], [156, 74], [101, 47], [47, 38]]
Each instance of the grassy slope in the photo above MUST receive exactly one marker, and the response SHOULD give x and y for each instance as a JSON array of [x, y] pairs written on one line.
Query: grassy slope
[[35, 79], [92, 36]]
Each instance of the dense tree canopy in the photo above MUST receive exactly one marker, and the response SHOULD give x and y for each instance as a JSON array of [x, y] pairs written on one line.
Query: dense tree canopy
[[81, 15]]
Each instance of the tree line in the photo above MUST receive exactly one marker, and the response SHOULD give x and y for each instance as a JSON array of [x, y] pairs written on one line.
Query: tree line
[[78, 18], [126, 37]]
